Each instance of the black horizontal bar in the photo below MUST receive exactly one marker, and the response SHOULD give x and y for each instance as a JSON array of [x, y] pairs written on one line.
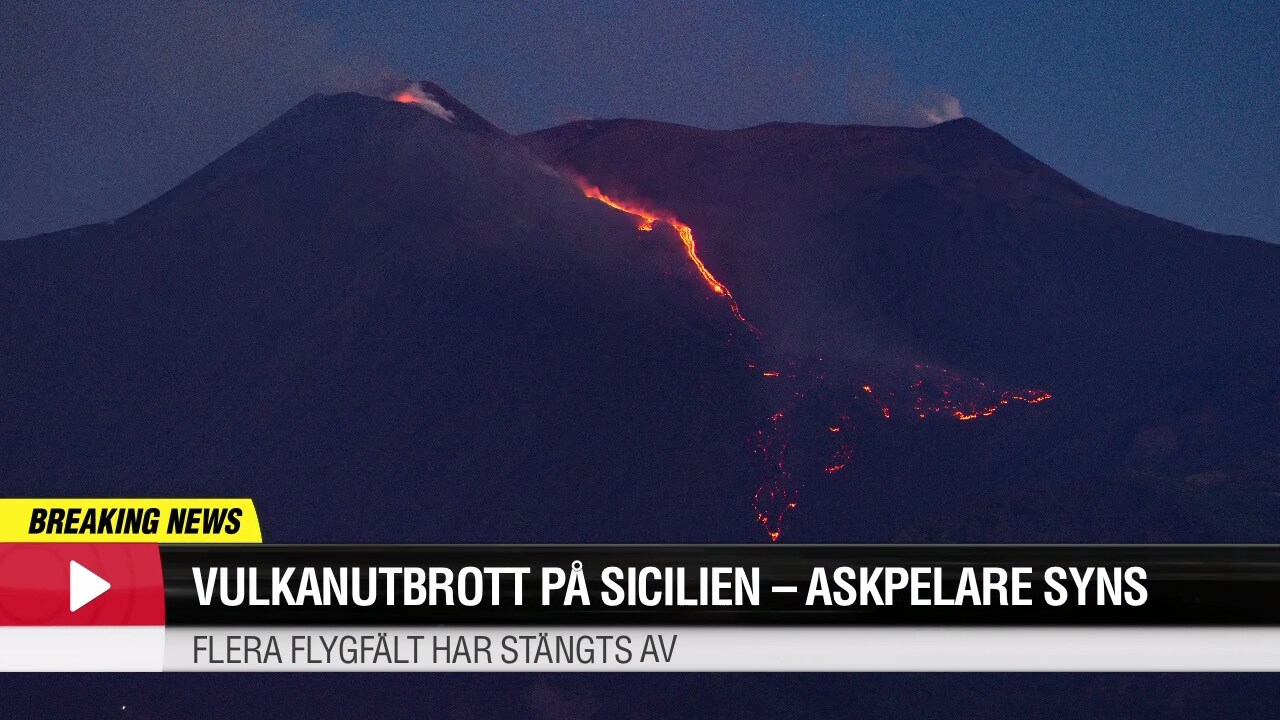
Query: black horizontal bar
[[1172, 584]]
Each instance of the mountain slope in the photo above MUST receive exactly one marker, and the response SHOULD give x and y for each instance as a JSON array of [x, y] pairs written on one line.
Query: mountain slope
[[392, 320], [948, 239], [950, 245], [381, 324]]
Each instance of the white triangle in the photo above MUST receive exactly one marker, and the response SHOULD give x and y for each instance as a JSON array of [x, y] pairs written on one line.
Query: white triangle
[[85, 586]]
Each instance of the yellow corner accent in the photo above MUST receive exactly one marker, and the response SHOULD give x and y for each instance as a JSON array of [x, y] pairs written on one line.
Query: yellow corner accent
[[131, 520]]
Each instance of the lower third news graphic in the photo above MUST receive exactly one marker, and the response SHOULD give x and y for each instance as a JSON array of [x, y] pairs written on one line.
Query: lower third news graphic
[[138, 585]]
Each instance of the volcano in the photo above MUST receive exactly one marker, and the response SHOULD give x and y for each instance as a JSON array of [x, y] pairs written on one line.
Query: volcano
[[388, 319], [381, 324], [950, 246]]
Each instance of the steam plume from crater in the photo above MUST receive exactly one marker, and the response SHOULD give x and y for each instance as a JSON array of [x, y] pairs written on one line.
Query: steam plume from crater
[[415, 95]]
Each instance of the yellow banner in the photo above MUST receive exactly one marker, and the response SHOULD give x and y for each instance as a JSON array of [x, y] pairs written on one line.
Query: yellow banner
[[170, 520]]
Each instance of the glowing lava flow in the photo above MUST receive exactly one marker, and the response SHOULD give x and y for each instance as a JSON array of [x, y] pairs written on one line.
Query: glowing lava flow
[[813, 433], [645, 221], [819, 440], [933, 390]]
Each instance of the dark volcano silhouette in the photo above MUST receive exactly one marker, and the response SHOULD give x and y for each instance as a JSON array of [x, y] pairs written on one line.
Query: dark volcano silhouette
[[948, 244], [947, 239], [385, 322], [382, 325]]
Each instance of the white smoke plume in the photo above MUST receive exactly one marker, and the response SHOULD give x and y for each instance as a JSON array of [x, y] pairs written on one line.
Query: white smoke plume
[[415, 95], [877, 99], [940, 109]]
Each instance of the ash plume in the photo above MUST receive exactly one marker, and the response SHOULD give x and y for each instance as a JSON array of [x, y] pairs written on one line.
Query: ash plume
[[876, 99], [942, 108], [415, 95]]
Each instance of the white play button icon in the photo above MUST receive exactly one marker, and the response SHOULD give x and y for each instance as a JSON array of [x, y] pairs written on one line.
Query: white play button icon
[[85, 586]]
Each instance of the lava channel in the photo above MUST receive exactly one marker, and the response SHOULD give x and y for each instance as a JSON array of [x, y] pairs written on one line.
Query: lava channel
[[923, 391]]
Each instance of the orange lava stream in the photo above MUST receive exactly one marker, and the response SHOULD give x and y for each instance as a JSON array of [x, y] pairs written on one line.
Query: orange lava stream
[[932, 390], [913, 393], [646, 219]]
